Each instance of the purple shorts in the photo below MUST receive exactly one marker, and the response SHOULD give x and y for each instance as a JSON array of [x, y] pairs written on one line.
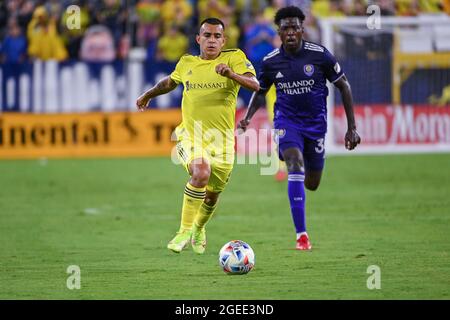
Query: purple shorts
[[313, 150]]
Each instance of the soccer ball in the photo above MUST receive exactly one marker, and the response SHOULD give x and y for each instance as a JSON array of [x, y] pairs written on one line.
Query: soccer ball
[[236, 257]]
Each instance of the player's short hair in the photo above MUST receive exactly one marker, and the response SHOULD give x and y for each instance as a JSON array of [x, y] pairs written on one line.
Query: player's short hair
[[289, 12], [213, 21]]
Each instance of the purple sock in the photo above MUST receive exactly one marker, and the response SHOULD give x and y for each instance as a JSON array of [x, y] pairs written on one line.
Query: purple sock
[[296, 193]]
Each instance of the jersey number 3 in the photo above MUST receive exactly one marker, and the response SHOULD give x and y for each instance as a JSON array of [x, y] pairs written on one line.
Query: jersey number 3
[[320, 146]]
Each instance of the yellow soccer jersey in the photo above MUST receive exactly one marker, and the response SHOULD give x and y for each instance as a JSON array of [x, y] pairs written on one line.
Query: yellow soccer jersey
[[209, 99], [271, 98]]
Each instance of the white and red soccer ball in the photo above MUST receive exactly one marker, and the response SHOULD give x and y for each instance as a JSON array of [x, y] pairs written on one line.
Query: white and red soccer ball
[[236, 257]]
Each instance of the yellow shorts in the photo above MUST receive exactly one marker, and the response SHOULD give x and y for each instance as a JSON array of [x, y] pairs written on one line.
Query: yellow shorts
[[220, 170]]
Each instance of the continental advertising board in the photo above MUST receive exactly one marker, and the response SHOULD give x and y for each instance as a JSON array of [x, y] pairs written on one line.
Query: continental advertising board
[[383, 128], [87, 134]]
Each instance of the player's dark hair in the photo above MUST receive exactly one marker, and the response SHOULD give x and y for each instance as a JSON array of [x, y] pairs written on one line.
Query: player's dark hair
[[289, 12], [213, 21]]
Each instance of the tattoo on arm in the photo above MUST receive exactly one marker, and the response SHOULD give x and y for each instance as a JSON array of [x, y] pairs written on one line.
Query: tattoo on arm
[[163, 86]]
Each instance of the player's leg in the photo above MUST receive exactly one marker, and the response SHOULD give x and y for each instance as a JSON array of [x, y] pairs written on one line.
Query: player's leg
[[296, 193], [206, 209], [218, 180], [290, 146], [194, 193], [204, 214], [314, 158], [312, 179]]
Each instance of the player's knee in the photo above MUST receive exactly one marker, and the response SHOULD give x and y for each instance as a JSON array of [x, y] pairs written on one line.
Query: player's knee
[[294, 160], [200, 178], [200, 175], [294, 164]]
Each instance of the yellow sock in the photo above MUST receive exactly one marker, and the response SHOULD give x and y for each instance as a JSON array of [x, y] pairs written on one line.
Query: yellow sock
[[204, 214], [192, 200]]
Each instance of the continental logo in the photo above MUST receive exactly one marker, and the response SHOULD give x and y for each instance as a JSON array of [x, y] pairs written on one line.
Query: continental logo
[[205, 85], [71, 133], [93, 134]]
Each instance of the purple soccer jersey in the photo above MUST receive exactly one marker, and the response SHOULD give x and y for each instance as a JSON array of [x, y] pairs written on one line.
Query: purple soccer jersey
[[300, 117], [300, 83]]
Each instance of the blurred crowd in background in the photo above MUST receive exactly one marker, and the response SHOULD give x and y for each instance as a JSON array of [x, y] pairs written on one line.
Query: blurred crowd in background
[[109, 29]]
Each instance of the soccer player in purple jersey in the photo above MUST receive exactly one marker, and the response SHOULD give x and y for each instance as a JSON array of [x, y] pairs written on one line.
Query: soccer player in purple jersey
[[299, 70]]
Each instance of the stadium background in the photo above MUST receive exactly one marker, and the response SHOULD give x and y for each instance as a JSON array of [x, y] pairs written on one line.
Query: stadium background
[[116, 49], [70, 93]]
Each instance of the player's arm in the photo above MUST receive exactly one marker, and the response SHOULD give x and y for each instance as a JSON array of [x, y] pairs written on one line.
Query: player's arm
[[246, 80], [163, 86], [352, 138], [257, 100]]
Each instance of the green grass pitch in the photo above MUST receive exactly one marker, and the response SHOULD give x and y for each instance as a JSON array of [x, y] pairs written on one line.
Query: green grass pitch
[[113, 218]]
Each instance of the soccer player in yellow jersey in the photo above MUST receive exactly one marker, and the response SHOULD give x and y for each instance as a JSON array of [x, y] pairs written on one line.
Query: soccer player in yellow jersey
[[205, 138]]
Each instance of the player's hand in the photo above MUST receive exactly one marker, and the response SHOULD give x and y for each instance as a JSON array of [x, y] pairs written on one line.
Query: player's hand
[[224, 70], [352, 139], [242, 125], [142, 103]]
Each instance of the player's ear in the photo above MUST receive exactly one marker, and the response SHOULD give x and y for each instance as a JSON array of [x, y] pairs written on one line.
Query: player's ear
[[197, 38]]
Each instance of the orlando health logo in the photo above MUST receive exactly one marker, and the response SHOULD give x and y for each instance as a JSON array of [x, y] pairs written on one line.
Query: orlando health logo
[[296, 87]]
